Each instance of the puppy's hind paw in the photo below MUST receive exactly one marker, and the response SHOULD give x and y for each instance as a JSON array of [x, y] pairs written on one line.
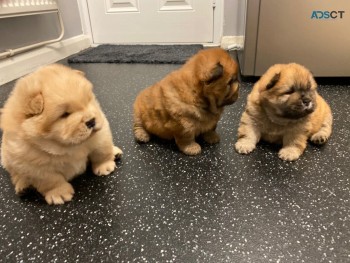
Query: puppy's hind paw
[[21, 189], [211, 137], [104, 168], [319, 138], [117, 152], [141, 135], [21, 184], [244, 146]]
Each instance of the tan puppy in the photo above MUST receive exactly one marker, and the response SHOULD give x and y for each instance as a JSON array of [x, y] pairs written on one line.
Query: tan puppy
[[284, 107], [52, 125], [189, 101]]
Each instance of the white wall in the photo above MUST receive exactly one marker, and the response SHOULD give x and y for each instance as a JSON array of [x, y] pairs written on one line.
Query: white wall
[[27, 30], [32, 29], [234, 17]]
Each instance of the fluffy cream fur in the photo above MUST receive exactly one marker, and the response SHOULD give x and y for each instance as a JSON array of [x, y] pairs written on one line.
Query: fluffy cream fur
[[52, 126]]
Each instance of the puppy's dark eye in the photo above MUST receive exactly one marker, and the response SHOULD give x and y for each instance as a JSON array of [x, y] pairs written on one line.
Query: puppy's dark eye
[[231, 82], [288, 92], [65, 115]]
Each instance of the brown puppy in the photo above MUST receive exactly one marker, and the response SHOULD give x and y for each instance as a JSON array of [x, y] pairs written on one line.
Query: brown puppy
[[189, 101], [52, 125], [284, 107]]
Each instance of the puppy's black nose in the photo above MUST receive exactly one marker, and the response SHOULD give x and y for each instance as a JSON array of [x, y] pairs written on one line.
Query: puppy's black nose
[[306, 100], [91, 123]]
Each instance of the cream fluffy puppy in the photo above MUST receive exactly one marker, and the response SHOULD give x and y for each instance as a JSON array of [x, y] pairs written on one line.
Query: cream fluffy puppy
[[52, 126]]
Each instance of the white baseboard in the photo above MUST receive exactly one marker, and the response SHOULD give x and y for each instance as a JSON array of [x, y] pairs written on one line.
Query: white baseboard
[[22, 64], [232, 42]]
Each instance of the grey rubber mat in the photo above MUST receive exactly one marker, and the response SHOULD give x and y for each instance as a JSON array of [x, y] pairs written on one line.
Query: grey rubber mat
[[146, 54]]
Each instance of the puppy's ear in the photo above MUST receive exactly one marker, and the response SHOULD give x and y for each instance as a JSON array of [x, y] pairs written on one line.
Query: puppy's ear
[[35, 105], [79, 72], [30, 97], [215, 73], [273, 81]]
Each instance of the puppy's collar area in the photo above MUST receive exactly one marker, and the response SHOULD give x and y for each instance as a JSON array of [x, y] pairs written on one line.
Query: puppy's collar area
[[210, 105], [297, 115], [282, 118], [52, 148]]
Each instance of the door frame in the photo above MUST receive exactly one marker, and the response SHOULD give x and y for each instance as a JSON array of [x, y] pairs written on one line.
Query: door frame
[[217, 30]]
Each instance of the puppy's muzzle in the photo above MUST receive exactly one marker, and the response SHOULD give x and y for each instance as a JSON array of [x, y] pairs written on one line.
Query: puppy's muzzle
[[307, 103], [232, 96], [91, 123]]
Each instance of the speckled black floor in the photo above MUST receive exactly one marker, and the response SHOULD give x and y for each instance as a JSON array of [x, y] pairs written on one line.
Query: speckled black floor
[[163, 206]]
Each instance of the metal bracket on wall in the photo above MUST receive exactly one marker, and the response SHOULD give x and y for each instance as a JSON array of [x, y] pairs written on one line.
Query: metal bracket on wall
[[16, 8]]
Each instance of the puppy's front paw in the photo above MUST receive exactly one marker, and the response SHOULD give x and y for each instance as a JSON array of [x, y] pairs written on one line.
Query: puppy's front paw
[[319, 138], [289, 153], [244, 146], [211, 137], [59, 195], [117, 152], [104, 168], [191, 149]]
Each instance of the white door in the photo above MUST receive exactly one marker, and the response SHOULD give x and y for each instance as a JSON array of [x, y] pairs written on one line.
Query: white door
[[151, 21]]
